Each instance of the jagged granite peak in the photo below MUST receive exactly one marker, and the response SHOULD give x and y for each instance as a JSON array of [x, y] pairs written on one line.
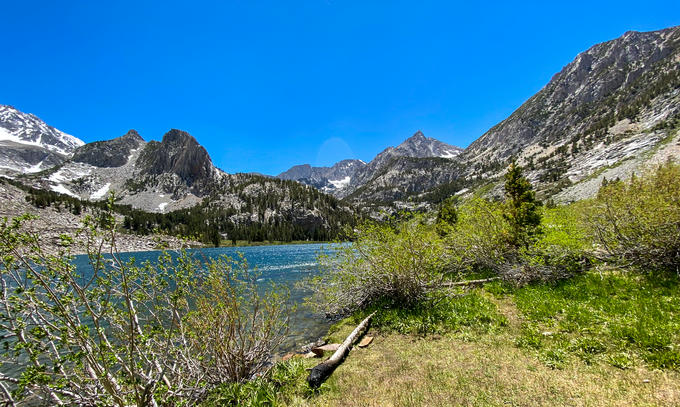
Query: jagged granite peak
[[420, 146], [109, 153], [180, 154], [416, 146], [28, 144]]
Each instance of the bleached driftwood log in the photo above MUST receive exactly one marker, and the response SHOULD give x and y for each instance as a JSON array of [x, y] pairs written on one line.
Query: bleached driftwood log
[[324, 369], [469, 282]]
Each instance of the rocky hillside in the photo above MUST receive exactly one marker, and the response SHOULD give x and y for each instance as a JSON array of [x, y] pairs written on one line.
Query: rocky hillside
[[610, 112], [54, 220], [176, 176], [109, 153], [27, 144]]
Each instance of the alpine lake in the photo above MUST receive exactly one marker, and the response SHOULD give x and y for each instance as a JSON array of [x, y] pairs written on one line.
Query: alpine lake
[[281, 264]]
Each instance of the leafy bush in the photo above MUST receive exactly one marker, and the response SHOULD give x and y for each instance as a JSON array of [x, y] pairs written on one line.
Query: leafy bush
[[125, 334], [479, 239], [234, 327], [388, 265], [638, 222]]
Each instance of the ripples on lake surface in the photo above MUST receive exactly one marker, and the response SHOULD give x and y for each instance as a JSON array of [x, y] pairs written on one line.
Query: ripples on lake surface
[[284, 264]]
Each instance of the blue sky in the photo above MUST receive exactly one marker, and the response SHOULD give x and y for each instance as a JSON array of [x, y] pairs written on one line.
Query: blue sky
[[267, 85]]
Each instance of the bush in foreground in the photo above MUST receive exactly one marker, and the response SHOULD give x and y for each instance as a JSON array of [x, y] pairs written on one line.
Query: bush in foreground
[[393, 266], [159, 334], [637, 222]]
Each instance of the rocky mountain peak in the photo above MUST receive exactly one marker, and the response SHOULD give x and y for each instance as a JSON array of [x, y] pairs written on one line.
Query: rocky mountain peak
[[25, 128], [109, 153], [418, 136], [133, 135], [28, 145], [179, 137], [180, 154]]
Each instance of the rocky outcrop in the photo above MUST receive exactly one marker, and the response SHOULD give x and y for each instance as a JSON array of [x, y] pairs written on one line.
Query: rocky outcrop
[[109, 153], [179, 154]]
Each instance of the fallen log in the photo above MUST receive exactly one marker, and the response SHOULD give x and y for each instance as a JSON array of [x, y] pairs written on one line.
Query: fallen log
[[469, 282], [324, 369]]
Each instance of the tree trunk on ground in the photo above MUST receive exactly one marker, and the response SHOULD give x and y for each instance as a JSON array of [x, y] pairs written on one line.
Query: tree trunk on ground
[[324, 369], [469, 282]]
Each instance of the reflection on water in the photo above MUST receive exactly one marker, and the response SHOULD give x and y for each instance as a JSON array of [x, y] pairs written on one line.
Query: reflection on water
[[285, 264]]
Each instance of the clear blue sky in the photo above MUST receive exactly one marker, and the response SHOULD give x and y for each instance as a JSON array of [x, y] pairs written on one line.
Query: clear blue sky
[[266, 85]]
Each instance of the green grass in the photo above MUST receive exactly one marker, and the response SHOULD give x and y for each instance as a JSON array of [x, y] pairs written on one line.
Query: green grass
[[283, 381], [617, 318], [447, 312]]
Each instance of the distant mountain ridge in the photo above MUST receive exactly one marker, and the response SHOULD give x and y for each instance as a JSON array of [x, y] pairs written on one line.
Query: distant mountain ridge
[[346, 176], [327, 179], [175, 174]]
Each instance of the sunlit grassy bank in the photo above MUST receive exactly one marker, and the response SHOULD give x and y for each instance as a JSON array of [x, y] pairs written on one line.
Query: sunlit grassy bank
[[601, 339]]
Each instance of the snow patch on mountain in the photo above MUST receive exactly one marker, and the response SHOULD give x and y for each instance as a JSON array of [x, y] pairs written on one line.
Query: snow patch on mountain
[[450, 154], [340, 183], [62, 190], [28, 129], [101, 192]]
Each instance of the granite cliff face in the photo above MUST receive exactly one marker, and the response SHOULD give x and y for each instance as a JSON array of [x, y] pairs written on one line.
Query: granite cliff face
[[612, 111], [180, 156], [609, 82]]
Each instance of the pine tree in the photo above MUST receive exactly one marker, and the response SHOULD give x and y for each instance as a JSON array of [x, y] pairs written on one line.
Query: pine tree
[[521, 207]]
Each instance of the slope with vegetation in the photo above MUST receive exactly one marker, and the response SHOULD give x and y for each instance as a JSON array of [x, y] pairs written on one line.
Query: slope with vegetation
[[586, 311]]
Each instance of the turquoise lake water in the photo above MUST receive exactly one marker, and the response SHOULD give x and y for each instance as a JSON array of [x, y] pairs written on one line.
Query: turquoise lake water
[[284, 264]]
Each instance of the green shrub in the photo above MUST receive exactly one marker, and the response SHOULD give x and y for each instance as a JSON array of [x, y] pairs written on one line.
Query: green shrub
[[638, 221], [282, 382], [395, 266], [479, 239], [161, 333]]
